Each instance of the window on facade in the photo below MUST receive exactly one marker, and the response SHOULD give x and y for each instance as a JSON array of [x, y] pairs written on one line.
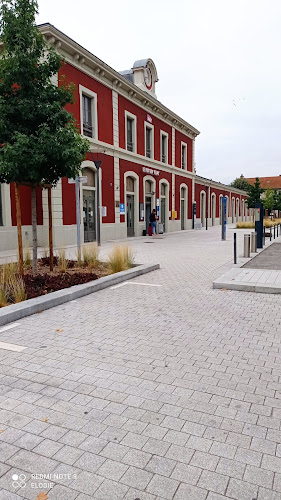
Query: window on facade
[[130, 134], [183, 156], [91, 177], [148, 187], [87, 116], [148, 142], [130, 184], [1, 211], [164, 148], [163, 190]]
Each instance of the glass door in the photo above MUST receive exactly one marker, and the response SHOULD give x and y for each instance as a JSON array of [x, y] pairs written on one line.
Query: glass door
[[89, 215]]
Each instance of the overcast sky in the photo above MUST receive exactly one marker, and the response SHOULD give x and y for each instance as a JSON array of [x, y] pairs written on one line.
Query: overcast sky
[[218, 65]]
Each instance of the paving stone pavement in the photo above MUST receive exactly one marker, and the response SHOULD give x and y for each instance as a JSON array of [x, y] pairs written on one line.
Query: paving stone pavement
[[167, 392]]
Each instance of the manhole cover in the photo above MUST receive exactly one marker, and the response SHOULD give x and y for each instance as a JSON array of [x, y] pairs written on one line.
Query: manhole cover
[[148, 241]]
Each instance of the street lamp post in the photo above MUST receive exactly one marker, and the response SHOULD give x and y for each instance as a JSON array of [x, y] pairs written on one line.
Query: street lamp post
[[98, 163]]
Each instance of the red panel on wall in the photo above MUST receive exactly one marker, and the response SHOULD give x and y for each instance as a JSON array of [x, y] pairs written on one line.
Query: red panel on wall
[[25, 203], [104, 99], [68, 203], [141, 114], [178, 138]]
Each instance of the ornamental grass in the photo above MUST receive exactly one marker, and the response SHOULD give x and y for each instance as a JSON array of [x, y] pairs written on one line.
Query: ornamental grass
[[120, 259]]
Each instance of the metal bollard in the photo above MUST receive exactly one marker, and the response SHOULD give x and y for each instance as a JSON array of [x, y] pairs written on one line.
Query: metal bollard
[[274, 231], [254, 242], [247, 239], [235, 249], [270, 234], [264, 235], [277, 230]]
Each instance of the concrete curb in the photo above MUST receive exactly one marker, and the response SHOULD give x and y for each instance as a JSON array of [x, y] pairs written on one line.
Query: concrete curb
[[32, 306], [248, 287]]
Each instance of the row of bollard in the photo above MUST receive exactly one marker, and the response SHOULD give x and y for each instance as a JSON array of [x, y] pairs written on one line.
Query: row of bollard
[[250, 241]]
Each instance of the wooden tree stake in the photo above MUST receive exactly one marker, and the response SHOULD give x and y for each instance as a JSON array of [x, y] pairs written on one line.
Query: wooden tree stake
[[51, 248], [18, 216]]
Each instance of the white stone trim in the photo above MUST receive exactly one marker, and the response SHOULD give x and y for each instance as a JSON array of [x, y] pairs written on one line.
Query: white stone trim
[[6, 205], [173, 146], [151, 127], [173, 191], [185, 187], [135, 176], [94, 107], [213, 208], [167, 197], [203, 213], [115, 118], [134, 118]]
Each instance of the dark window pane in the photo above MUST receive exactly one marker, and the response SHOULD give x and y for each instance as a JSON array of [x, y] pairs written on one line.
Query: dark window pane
[[130, 145], [87, 116], [164, 142], [183, 157], [148, 142]]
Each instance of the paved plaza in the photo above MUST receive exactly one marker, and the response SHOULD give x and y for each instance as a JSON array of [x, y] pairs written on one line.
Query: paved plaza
[[159, 389]]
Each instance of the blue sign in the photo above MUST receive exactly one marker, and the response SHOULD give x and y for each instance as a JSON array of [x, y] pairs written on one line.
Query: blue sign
[[223, 215], [122, 209]]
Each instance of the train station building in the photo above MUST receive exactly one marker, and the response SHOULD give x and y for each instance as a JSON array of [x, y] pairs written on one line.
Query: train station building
[[147, 160]]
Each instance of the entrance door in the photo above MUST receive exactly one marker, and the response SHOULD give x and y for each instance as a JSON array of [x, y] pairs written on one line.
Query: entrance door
[[130, 215], [89, 215], [147, 210], [182, 214], [163, 212]]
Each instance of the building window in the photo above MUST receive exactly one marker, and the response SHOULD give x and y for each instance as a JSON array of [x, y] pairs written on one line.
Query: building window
[[148, 134], [149, 140], [130, 137], [183, 156], [164, 147], [91, 177], [87, 116], [1, 210], [130, 184]]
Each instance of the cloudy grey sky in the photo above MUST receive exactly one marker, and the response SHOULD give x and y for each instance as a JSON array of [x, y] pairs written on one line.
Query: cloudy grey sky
[[218, 63]]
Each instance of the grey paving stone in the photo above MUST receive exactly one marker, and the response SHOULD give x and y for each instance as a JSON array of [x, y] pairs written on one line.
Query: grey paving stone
[[111, 490], [231, 468], [204, 460], [187, 491], [160, 465], [241, 489], [162, 486], [47, 448], [156, 447], [68, 455], [186, 473], [111, 469], [136, 478], [259, 477], [90, 462], [180, 453], [93, 444], [7, 450], [62, 493], [213, 481]]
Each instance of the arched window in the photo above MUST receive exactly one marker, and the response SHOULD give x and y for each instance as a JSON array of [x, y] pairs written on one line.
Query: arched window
[[91, 176]]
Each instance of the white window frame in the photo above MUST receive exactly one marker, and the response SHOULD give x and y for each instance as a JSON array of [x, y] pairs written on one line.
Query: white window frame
[[94, 108], [163, 133], [184, 145], [151, 127], [134, 118]]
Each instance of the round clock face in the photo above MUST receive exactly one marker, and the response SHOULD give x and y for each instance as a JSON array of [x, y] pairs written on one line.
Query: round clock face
[[148, 78]]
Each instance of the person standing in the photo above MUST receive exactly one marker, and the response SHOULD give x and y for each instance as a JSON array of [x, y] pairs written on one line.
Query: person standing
[[153, 220]]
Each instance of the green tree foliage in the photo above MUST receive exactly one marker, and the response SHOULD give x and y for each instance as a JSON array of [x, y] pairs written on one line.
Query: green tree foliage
[[277, 200], [268, 200], [240, 183], [254, 194], [40, 141]]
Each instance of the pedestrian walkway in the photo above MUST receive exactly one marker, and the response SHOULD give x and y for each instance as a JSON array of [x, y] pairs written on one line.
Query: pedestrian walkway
[[160, 389]]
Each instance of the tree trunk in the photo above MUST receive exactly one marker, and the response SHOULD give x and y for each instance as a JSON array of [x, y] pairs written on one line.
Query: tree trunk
[[51, 248], [18, 216], [34, 229]]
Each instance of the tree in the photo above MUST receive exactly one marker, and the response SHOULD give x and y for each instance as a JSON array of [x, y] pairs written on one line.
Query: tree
[[277, 200], [254, 194], [240, 183], [268, 200], [40, 139]]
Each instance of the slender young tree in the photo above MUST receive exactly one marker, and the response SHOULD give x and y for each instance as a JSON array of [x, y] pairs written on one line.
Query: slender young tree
[[40, 139], [268, 201], [240, 183]]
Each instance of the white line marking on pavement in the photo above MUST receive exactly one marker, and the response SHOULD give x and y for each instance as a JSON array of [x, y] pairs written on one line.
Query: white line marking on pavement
[[12, 347], [9, 327], [129, 283]]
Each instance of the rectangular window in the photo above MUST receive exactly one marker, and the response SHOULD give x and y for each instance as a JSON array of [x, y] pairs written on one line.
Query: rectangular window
[[164, 147], [87, 116], [1, 209], [148, 134], [130, 134], [183, 156]]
